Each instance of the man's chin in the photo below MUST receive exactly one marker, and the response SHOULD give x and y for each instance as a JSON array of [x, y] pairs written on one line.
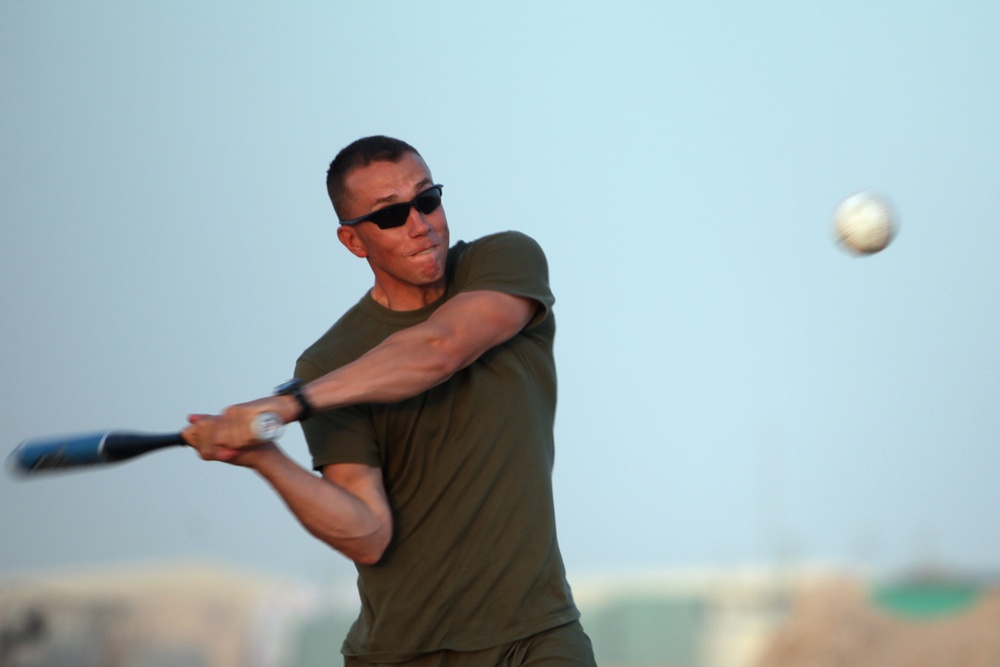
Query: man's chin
[[431, 264]]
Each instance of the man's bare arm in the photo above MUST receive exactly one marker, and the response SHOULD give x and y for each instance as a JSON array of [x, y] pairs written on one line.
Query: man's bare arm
[[405, 364], [423, 356], [347, 508]]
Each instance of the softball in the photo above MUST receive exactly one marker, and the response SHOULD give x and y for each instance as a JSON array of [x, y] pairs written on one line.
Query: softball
[[864, 223]]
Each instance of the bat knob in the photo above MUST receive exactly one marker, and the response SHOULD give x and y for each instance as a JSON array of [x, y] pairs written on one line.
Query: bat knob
[[267, 426]]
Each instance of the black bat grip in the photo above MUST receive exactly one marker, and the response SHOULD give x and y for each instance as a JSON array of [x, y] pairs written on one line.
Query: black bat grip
[[119, 445]]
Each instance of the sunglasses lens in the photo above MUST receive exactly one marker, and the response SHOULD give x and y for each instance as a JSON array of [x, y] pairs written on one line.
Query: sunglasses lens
[[428, 201], [391, 216]]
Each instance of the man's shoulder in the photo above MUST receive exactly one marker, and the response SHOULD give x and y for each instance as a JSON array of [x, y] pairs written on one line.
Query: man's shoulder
[[510, 262], [510, 248], [506, 239]]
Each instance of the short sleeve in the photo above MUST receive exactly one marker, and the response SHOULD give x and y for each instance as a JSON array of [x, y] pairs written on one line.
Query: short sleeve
[[509, 262], [343, 435]]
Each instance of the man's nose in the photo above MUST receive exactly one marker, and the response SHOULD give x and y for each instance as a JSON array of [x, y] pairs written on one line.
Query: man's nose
[[416, 222]]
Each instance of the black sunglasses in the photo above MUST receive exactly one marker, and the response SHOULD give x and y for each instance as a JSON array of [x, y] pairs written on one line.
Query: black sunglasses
[[395, 215]]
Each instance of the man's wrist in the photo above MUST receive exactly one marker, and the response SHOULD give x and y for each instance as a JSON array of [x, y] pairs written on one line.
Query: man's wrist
[[294, 389]]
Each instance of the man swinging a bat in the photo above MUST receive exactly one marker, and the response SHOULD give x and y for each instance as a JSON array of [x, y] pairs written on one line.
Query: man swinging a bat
[[428, 408]]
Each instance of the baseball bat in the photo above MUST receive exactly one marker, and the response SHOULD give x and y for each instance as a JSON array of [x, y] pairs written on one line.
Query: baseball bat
[[72, 451]]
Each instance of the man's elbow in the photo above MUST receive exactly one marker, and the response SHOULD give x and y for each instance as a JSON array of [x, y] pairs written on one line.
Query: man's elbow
[[367, 550], [367, 558], [371, 554]]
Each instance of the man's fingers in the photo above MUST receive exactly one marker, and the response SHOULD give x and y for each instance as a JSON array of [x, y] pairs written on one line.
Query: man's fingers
[[227, 438]]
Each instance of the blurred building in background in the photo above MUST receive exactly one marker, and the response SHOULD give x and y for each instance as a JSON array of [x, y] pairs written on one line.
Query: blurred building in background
[[791, 618], [204, 616], [683, 619], [182, 616]]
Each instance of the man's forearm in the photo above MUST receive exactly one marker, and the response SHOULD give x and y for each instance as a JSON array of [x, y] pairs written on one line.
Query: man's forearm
[[355, 522], [404, 365], [423, 356]]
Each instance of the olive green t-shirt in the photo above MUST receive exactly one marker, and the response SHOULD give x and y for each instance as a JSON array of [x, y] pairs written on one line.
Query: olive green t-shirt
[[473, 561]]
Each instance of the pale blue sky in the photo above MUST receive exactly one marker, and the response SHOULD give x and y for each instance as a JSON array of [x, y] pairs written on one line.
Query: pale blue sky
[[734, 388]]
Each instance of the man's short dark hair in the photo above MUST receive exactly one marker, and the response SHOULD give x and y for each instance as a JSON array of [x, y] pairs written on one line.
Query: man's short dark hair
[[357, 154]]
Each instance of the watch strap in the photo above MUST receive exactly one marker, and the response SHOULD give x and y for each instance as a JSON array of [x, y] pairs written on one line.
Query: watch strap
[[293, 388]]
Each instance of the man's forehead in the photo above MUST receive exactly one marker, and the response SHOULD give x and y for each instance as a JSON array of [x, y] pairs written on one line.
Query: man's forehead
[[384, 178]]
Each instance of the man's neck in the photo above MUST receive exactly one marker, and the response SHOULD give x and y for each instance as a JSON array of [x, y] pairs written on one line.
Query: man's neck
[[408, 299]]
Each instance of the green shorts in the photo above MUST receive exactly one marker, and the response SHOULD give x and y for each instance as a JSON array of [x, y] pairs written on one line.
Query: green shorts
[[565, 646]]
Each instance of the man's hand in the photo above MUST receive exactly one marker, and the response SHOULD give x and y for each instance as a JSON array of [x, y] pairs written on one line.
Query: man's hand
[[221, 437], [214, 437]]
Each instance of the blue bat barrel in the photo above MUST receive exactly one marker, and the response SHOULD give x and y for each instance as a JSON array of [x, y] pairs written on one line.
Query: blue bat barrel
[[85, 449]]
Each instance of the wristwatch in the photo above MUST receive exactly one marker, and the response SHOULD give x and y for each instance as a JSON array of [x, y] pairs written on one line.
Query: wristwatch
[[293, 388]]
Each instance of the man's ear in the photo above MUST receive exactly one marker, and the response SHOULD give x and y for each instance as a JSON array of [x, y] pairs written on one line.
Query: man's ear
[[349, 236]]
